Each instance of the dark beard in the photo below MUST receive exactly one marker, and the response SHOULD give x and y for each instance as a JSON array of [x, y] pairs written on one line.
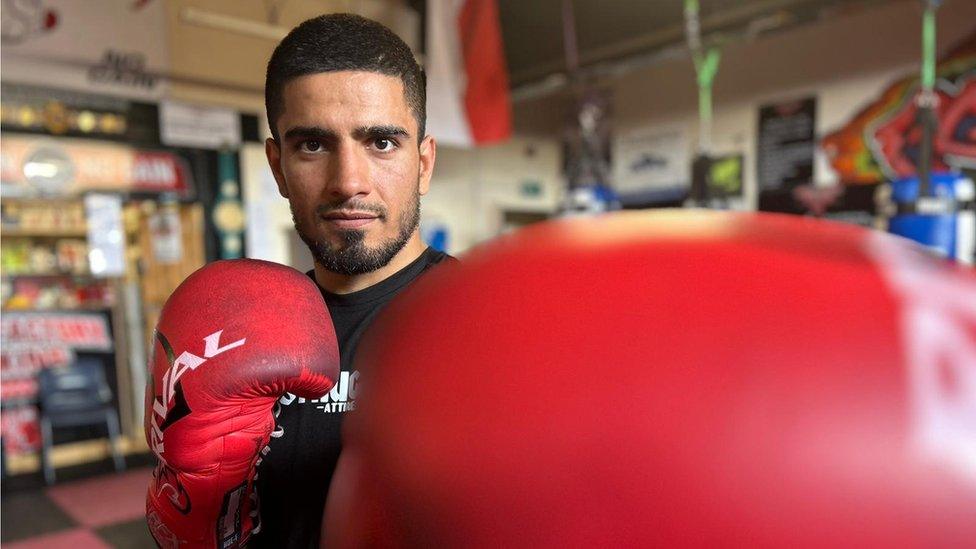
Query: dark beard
[[352, 257]]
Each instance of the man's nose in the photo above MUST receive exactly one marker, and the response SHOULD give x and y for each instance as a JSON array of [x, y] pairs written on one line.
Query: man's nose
[[349, 175]]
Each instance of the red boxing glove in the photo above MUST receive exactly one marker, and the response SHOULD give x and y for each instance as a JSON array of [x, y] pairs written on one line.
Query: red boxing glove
[[669, 379], [232, 339]]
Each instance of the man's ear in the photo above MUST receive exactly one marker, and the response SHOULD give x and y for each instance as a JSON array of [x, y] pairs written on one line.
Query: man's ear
[[273, 151], [428, 154]]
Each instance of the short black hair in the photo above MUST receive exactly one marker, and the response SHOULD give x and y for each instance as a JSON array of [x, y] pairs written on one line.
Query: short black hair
[[343, 42]]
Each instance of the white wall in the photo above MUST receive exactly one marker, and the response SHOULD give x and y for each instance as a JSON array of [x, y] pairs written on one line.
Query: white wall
[[471, 188], [269, 224], [63, 56]]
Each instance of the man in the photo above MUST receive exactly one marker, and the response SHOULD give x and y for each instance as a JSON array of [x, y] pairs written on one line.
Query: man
[[346, 108]]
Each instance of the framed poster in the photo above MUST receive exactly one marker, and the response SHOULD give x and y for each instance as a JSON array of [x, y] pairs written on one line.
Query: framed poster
[[786, 144], [725, 176], [652, 166], [652, 159]]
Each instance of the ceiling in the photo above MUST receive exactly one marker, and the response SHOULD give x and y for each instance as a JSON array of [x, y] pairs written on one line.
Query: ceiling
[[609, 31]]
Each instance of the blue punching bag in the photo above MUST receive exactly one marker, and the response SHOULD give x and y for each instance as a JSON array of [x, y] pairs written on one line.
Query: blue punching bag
[[944, 219], [935, 209]]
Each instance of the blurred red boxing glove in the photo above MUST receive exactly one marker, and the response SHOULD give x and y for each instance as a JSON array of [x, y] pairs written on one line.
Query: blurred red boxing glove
[[669, 379], [232, 339]]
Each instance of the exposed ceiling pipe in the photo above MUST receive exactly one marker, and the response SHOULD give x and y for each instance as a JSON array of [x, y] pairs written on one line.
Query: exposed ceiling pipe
[[570, 47], [239, 25], [668, 44], [745, 12], [249, 27]]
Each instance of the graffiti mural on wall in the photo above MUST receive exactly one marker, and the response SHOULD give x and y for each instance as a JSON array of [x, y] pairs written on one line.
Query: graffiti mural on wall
[[881, 142]]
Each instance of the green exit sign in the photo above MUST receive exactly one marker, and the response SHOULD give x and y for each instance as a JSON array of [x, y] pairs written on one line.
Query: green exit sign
[[531, 189]]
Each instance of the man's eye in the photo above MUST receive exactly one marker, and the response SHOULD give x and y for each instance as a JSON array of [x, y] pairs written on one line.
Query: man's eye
[[310, 146], [384, 145]]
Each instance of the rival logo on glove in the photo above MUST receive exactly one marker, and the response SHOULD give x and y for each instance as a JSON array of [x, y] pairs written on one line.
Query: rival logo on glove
[[187, 361]]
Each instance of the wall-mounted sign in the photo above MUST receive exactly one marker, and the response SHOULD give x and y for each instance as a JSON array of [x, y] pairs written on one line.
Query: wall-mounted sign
[[106, 236], [652, 159], [30, 342], [21, 430], [24, 359], [725, 176], [120, 67], [39, 166], [530, 188], [159, 171], [786, 144], [82, 331], [183, 125], [166, 234]]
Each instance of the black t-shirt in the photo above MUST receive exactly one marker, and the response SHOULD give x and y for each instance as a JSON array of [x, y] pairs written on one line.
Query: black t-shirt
[[294, 476]]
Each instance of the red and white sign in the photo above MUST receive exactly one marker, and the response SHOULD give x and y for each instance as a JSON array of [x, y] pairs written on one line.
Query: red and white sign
[[89, 165], [159, 171], [467, 80], [30, 342], [15, 389], [18, 361], [21, 430], [76, 330]]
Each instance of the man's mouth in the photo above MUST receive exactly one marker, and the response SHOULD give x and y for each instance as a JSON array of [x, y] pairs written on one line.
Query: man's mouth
[[350, 219]]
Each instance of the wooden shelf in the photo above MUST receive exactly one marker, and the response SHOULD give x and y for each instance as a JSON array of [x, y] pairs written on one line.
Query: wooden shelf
[[80, 308], [53, 274], [20, 232], [44, 199]]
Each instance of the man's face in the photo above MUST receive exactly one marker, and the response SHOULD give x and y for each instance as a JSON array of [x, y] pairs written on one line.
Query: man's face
[[349, 165]]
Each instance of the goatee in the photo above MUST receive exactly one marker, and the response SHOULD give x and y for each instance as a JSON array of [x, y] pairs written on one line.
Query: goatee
[[352, 256]]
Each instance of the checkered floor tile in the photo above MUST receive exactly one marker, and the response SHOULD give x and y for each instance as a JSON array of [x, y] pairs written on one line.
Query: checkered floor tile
[[102, 512]]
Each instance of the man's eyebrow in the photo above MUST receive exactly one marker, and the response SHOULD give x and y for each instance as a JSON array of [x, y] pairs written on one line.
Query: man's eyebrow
[[380, 131], [310, 132]]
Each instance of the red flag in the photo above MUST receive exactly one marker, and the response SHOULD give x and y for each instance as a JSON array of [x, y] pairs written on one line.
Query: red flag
[[468, 99]]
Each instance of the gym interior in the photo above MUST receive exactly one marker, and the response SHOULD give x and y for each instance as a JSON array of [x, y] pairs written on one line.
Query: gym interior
[[774, 155]]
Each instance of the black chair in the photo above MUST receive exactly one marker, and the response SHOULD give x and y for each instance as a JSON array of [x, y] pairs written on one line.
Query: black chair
[[74, 396]]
